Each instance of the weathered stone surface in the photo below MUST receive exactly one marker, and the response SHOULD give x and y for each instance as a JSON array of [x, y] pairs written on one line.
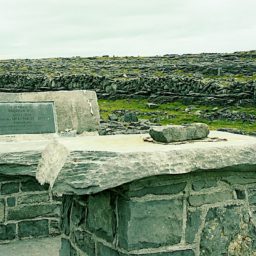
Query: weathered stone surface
[[66, 207], [161, 186], [33, 198], [54, 228], [84, 242], [10, 188], [7, 232], [76, 110], [102, 250], [32, 185], [176, 253], [149, 224], [204, 183], [227, 231], [93, 162], [2, 210], [37, 228], [192, 226], [202, 199], [100, 216], [174, 133], [78, 214], [33, 211], [11, 201]]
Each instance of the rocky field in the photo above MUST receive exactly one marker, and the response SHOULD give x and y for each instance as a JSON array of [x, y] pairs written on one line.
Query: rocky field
[[136, 92], [205, 78]]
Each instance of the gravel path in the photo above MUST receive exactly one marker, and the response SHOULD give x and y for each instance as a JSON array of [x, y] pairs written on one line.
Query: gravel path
[[33, 247]]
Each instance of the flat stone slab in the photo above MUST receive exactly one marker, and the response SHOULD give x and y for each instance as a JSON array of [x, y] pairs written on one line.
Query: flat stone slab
[[32, 247], [27, 118], [90, 164], [75, 110]]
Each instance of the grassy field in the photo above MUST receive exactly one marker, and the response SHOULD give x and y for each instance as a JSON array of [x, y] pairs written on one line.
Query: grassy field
[[177, 113]]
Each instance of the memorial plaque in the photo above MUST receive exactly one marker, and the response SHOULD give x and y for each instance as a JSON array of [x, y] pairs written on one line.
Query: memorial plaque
[[27, 118]]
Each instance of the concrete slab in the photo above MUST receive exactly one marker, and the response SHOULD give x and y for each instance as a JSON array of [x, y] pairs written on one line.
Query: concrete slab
[[32, 247]]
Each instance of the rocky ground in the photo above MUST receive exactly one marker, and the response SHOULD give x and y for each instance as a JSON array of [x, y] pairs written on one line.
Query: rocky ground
[[216, 79], [131, 117]]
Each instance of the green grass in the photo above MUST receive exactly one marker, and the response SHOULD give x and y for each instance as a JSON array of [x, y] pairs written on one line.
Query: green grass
[[174, 113]]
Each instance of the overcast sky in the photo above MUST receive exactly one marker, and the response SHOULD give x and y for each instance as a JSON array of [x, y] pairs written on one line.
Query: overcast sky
[[64, 28]]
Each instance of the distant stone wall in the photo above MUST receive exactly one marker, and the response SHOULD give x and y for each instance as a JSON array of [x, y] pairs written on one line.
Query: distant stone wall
[[161, 89], [205, 213], [27, 209]]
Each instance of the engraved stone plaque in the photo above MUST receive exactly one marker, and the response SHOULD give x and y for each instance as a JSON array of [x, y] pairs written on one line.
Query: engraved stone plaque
[[27, 118]]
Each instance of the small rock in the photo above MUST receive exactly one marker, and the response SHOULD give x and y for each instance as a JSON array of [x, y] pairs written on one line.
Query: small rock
[[113, 117], [130, 117], [152, 105], [175, 133]]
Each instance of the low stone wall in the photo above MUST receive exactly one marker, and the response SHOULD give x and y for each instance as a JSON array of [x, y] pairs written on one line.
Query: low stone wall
[[27, 209], [160, 89], [205, 213]]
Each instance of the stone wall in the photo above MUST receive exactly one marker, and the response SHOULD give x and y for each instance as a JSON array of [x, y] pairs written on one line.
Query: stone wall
[[27, 209], [205, 213], [159, 89]]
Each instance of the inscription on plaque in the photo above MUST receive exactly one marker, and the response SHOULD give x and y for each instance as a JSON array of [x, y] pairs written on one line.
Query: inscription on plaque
[[27, 118]]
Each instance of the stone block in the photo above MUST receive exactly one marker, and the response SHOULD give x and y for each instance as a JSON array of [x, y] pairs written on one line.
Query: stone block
[[33, 198], [211, 198], [2, 208], [36, 228], [193, 223], [54, 227], [208, 182], [184, 252], [66, 207], [240, 194], [100, 216], [75, 110], [252, 196], [9, 178], [174, 133], [9, 188], [103, 250], [78, 213], [163, 185], [33, 185], [149, 224], [7, 232], [227, 231], [243, 178], [65, 247], [33, 211], [84, 242], [11, 201]]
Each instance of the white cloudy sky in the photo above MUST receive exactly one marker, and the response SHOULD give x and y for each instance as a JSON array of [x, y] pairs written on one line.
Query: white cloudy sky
[[51, 28]]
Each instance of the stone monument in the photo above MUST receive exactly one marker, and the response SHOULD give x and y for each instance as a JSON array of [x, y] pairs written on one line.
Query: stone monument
[[28, 122], [122, 195]]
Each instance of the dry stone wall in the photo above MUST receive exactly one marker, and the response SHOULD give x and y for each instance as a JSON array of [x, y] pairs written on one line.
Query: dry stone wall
[[206, 213], [160, 89], [208, 78], [27, 209]]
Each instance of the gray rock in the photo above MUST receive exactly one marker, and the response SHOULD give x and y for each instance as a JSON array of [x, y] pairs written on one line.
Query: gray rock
[[152, 105], [113, 117], [130, 117], [174, 133]]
